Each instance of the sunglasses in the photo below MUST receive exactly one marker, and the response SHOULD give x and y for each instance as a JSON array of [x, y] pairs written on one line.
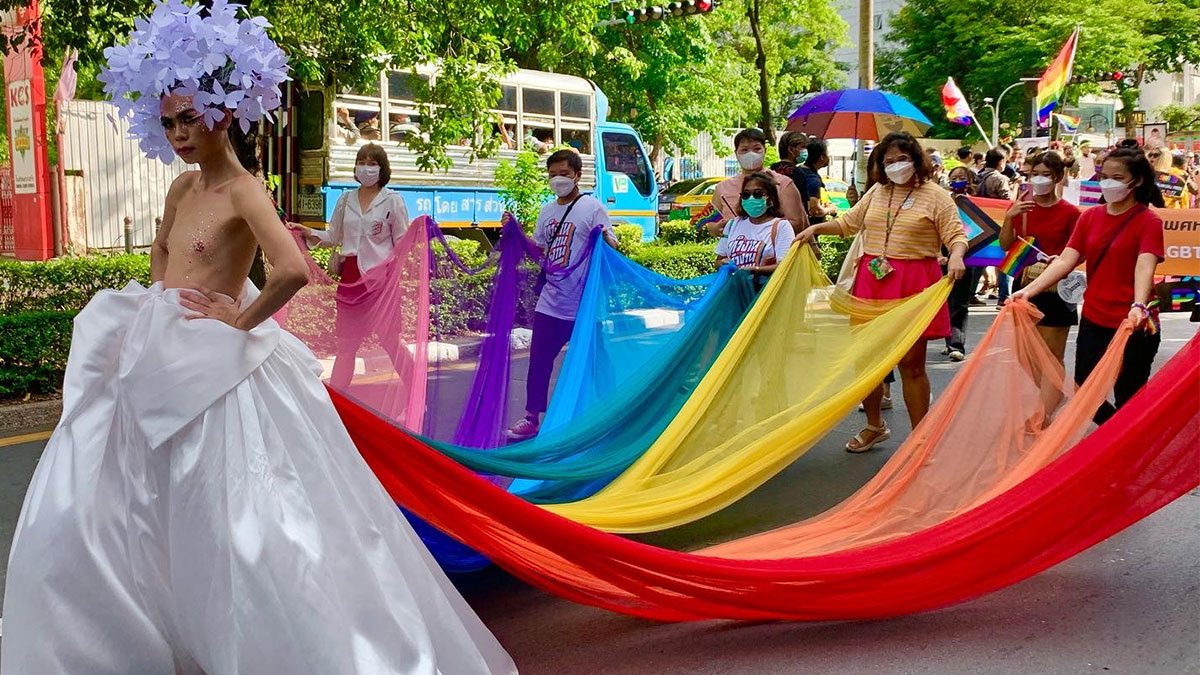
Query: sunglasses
[[1154, 155], [756, 194]]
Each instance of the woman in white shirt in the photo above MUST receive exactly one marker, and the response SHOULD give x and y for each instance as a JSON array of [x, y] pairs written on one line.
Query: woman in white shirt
[[759, 237], [367, 222]]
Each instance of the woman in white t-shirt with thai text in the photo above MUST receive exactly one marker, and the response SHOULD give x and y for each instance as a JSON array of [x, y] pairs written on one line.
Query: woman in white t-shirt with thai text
[[758, 238], [366, 223]]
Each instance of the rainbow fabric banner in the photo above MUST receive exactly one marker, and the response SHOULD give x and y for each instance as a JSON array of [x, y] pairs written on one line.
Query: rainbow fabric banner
[[1054, 81], [1067, 123], [957, 109], [1018, 256]]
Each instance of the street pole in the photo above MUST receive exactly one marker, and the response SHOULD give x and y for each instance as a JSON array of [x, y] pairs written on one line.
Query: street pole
[[866, 44], [866, 76], [996, 110]]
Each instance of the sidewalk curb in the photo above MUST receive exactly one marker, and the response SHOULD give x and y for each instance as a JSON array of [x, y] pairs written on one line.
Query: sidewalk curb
[[35, 415]]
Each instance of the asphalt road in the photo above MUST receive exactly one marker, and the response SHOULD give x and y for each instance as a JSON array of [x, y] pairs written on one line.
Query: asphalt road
[[1130, 605]]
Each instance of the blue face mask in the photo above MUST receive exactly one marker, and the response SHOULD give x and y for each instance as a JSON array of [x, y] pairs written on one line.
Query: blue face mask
[[958, 185], [755, 206], [802, 157]]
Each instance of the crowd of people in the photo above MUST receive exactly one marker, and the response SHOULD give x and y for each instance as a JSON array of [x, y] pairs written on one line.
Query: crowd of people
[[201, 508], [912, 236]]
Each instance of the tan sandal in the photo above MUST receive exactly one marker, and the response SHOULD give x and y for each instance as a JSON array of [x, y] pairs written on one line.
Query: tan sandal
[[882, 434]]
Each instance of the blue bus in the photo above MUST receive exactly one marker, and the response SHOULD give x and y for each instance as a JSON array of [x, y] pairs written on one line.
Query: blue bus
[[535, 108]]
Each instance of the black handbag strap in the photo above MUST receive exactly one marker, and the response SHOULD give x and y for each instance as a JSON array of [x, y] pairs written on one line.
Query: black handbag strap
[[562, 222], [1095, 266]]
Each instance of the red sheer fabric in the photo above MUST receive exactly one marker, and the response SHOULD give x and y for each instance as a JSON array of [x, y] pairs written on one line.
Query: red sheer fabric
[[1142, 459]]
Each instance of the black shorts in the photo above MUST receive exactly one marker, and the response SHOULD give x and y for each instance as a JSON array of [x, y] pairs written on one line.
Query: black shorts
[[1056, 312]]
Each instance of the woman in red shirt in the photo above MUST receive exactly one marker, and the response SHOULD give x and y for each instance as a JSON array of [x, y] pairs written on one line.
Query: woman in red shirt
[[1039, 215], [1122, 242]]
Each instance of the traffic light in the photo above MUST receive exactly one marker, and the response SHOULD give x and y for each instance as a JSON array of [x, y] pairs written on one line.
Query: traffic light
[[679, 8]]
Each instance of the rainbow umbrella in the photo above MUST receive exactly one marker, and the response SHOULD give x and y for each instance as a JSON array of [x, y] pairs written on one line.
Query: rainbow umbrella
[[863, 114]]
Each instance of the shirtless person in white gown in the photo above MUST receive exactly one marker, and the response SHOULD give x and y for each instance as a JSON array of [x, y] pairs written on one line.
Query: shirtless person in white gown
[[200, 508]]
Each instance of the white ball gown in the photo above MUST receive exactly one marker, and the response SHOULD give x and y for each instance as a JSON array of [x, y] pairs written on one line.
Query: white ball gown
[[201, 509]]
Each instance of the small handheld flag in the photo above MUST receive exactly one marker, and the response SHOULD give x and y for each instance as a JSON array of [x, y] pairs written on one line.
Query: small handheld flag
[[1067, 123], [707, 215], [1019, 255]]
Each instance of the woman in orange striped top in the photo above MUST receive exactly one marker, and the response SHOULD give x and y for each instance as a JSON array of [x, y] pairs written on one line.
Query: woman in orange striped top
[[904, 221]]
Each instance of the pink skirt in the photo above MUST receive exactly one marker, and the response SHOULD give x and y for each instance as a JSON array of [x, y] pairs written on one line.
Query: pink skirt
[[909, 278]]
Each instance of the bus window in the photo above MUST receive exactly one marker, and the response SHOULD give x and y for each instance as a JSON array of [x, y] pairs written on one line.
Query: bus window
[[402, 85], [580, 139], [401, 125], [576, 105], [311, 109], [370, 127], [622, 154], [539, 137], [504, 129], [539, 102], [508, 98]]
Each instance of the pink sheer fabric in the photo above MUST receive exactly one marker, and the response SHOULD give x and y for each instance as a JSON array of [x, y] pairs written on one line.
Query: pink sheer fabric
[[372, 336]]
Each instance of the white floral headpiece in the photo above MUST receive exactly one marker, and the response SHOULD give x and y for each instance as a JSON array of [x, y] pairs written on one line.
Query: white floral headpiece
[[223, 62]]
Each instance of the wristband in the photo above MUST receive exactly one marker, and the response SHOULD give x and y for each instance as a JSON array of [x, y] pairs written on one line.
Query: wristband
[[1152, 325]]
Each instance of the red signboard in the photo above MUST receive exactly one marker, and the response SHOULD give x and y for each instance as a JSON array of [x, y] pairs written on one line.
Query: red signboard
[[25, 102]]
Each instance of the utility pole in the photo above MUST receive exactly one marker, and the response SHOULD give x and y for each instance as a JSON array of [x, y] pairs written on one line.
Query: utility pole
[[866, 44], [866, 78]]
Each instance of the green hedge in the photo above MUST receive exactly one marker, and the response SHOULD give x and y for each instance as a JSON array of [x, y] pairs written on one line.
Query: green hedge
[[678, 261], [39, 300], [65, 284], [629, 238], [33, 352], [833, 252], [677, 232]]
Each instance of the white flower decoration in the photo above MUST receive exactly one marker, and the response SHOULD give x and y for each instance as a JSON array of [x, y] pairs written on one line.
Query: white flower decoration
[[223, 62]]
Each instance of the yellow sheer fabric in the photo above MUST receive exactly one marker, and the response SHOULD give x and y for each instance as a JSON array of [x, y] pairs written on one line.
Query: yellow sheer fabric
[[794, 368]]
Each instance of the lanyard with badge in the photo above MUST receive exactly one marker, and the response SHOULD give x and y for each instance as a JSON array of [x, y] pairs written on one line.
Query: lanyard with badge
[[879, 265]]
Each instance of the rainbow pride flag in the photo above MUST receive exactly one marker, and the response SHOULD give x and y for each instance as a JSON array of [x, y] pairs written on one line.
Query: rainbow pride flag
[[981, 218], [1018, 256], [1067, 123], [707, 215], [1054, 81]]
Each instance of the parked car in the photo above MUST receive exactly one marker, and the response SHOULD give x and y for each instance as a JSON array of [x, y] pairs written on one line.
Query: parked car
[[695, 199], [667, 195]]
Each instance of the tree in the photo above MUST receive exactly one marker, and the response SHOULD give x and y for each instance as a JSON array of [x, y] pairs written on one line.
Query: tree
[[331, 41], [987, 45], [660, 77], [1181, 118], [784, 47]]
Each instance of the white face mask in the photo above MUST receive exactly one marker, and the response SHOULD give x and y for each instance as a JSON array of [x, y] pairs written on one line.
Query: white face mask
[[1042, 185], [751, 161], [367, 175], [562, 186], [1114, 190], [900, 172]]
